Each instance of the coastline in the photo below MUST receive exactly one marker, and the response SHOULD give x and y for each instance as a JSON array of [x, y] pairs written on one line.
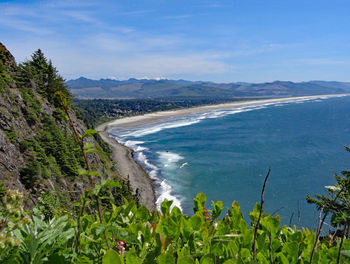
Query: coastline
[[130, 170], [155, 117], [138, 177]]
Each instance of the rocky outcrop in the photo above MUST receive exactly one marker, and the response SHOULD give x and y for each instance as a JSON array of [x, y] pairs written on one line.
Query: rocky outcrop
[[23, 110]]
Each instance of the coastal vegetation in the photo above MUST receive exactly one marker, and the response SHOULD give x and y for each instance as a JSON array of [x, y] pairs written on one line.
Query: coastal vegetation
[[50, 222]]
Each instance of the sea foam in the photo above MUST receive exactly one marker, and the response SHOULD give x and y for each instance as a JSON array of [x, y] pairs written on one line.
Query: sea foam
[[168, 161]]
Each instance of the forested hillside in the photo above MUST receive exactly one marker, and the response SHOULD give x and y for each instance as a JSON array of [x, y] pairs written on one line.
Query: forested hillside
[[39, 152]]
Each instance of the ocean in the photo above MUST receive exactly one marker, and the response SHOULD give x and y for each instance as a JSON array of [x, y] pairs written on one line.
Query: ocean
[[226, 154]]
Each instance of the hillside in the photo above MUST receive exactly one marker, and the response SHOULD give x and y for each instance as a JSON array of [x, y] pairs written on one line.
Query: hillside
[[39, 154], [179, 89]]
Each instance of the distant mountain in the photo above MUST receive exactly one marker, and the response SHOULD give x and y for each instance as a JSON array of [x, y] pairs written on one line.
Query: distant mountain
[[157, 89]]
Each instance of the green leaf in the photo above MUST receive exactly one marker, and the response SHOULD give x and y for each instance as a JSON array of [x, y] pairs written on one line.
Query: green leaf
[[82, 171], [142, 213], [217, 209], [88, 145], [89, 133], [199, 202], [165, 207], [291, 250], [207, 259], [111, 257], [346, 253], [231, 261], [111, 183], [282, 258], [165, 258], [245, 254], [185, 260], [90, 150], [195, 222], [132, 258]]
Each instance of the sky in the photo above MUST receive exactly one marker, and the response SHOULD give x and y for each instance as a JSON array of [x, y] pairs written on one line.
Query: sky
[[208, 40]]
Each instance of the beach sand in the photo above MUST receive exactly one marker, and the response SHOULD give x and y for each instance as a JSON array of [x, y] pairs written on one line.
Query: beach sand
[[130, 170]]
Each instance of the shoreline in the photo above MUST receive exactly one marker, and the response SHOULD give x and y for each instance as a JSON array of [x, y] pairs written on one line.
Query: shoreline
[[129, 170], [155, 117], [138, 177]]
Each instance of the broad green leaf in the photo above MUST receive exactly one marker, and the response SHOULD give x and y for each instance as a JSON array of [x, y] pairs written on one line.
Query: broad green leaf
[[207, 259], [132, 258], [165, 258], [142, 213], [88, 145], [261, 259], [282, 258], [199, 202], [82, 171], [89, 133], [165, 207], [217, 209], [245, 254], [90, 150], [185, 260], [195, 222], [111, 257], [111, 183], [291, 249]]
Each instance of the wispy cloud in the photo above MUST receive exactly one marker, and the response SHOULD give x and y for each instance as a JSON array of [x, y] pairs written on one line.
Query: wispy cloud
[[24, 25], [69, 3], [179, 16], [321, 62], [83, 16], [136, 12]]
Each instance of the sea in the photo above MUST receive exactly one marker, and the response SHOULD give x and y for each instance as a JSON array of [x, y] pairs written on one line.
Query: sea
[[226, 154]]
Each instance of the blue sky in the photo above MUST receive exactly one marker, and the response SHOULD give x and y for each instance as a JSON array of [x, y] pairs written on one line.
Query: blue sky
[[222, 41]]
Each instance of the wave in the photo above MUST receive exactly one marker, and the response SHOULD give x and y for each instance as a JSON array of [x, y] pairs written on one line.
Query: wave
[[169, 161], [165, 193], [135, 145], [175, 122]]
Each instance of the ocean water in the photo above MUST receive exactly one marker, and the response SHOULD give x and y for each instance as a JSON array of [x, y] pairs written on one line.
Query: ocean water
[[227, 153]]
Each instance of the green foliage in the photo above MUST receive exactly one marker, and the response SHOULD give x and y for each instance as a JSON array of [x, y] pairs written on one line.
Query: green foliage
[[4, 78], [135, 235], [45, 76], [50, 203], [60, 146], [338, 200], [30, 174], [12, 217], [12, 134], [2, 190]]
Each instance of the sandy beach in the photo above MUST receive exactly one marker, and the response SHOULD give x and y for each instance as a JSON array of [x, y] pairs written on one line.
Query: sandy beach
[[130, 170], [147, 119]]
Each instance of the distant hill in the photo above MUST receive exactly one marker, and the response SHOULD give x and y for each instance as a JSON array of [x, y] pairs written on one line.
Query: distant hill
[[157, 89]]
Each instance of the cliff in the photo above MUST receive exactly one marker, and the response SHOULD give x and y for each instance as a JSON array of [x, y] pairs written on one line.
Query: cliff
[[38, 151]]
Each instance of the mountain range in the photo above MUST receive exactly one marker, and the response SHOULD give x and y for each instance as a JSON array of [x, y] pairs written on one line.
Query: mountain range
[[164, 88]]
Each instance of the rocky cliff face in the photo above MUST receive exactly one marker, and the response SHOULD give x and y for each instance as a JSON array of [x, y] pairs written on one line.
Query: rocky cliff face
[[38, 151]]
